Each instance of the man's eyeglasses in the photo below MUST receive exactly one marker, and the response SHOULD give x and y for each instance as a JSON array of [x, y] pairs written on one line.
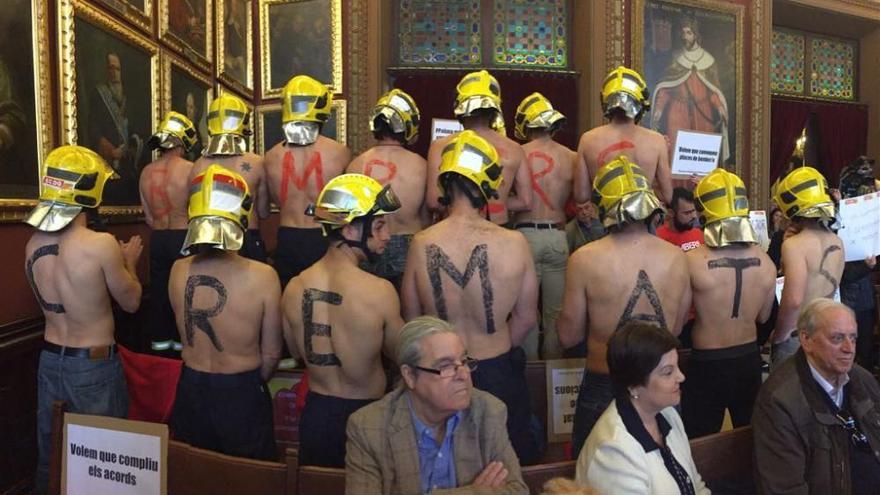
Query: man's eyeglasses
[[451, 369], [849, 424]]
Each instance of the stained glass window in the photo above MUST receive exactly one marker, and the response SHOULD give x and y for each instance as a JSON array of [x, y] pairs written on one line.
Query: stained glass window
[[832, 68], [787, 63], [530, 33], [439, 32]]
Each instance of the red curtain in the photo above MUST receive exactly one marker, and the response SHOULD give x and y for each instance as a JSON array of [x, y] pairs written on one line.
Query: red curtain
[[843, 136], [787, 120], [434, 93]]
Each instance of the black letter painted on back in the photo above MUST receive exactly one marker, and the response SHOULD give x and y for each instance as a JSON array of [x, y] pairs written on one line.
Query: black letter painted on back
[[437, 260], [739, 265], [825, 273], [48, 250], [312, 329], [198, 317], [643, 284]]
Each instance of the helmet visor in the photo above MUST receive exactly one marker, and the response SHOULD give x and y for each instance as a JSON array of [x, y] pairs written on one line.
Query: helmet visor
[[175, 125], [301, 103], [387, 201]]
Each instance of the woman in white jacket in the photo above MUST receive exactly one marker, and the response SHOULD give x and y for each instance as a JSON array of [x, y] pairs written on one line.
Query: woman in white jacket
[[639, 445]]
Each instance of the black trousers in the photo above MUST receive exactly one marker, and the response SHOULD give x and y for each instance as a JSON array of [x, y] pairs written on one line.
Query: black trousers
[[720, 379], [322, 429], [866, 356], [504, 376], [297, 250], [253, 246], [164, 251], [226, 413]]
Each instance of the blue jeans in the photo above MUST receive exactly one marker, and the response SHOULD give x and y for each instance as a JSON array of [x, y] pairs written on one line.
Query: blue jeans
[[88, 386], [593, 398]]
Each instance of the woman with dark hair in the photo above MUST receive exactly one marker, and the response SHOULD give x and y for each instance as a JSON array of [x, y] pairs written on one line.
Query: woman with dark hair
[[639, 445]]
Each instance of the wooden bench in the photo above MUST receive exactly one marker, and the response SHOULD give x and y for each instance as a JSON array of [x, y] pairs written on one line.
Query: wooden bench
[[726, 459], [194, 471]]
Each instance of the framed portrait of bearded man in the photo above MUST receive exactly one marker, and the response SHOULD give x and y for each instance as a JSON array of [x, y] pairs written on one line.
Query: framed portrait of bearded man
[[690, 53], [110, 95], [25, 104]]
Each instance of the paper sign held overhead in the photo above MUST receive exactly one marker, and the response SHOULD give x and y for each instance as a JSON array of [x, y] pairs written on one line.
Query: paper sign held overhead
[[860, 226], [758, 219], [695, 153], [440, 128]]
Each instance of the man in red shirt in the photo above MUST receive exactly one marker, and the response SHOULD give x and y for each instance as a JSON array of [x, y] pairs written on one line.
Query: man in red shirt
[[680, 231]]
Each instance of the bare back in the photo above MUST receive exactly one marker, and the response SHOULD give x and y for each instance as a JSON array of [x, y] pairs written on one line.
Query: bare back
[[164, 190], [227, 311], [624, 276], [339, 318], [822, 251], [642, 146], [734, 288], [406, 172], [72, 275], [514, 172], [478, 276], [551, 170], [297, 175], [250, 167]]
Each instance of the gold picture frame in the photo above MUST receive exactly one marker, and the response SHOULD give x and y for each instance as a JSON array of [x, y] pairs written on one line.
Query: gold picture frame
[[225, 73], [133, 53], [181, 29], [717, 13], [21, 196], [142, 18], [337, 128], [176, 72], [274, 76]]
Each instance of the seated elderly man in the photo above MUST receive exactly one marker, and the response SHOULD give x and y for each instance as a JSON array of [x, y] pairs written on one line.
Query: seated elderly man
[[817, 418], [434, 433]]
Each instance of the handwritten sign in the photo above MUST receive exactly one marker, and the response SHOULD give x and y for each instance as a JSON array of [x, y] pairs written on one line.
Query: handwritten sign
[[758, 219], [113, 456], [695, 153], [440, 128], [564, 377], [860, 226]]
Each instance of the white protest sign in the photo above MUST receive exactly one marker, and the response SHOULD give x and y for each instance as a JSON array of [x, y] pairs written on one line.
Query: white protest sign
[[113, 456], [695, 153], [440, 128], [780, 281], [758, 218], [564, 378], [860, 226]]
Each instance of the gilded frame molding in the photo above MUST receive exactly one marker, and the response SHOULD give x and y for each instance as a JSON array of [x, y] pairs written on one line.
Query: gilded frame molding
[[339, 106], [738, 11], [169, 61], [266, 54], [141, 18], [16, 209], [246, 87], [68, 11], [203, 60]]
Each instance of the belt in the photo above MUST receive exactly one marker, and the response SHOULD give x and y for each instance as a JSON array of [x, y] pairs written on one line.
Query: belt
[[539, 226], [98, 352]]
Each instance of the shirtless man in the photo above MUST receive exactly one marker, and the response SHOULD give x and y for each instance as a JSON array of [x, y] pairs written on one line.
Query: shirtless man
[[395, 124], [341, 319], [228, 316], [628, 274], [812, 259], [624, 99], [75, 274], [164, 190], [734, 287], [228, 126], [479, 277], [478, 108], [551, 167], [298, 168]]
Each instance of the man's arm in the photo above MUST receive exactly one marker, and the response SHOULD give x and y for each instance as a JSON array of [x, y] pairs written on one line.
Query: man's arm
[[664, 173], [270, 335], [432, 192], [524, 316], [392, 321], [770, 298], [119, 262], [411, 307], [780, 457], [148, 215], [522, 184], [291, 323], [582, 183], [199, 166], [262, 191], [572, 321], [795, 269], [363, 475], [684, 305]]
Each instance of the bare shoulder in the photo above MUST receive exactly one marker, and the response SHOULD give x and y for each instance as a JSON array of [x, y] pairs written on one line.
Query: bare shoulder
[[274, 151], [254, 159], [697, 255], [651, 134], [412, 156], [336, 150], [101, 242], [182, 264], [262, 273], [513, 147], [441, 143]]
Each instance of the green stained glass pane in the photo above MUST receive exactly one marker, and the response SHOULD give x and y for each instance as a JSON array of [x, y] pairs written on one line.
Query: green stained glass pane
[[832, 68], [439, 32], [787, 63], [530, 33]]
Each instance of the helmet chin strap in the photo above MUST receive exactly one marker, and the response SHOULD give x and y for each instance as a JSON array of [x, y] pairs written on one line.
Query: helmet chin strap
[[366, 232]]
